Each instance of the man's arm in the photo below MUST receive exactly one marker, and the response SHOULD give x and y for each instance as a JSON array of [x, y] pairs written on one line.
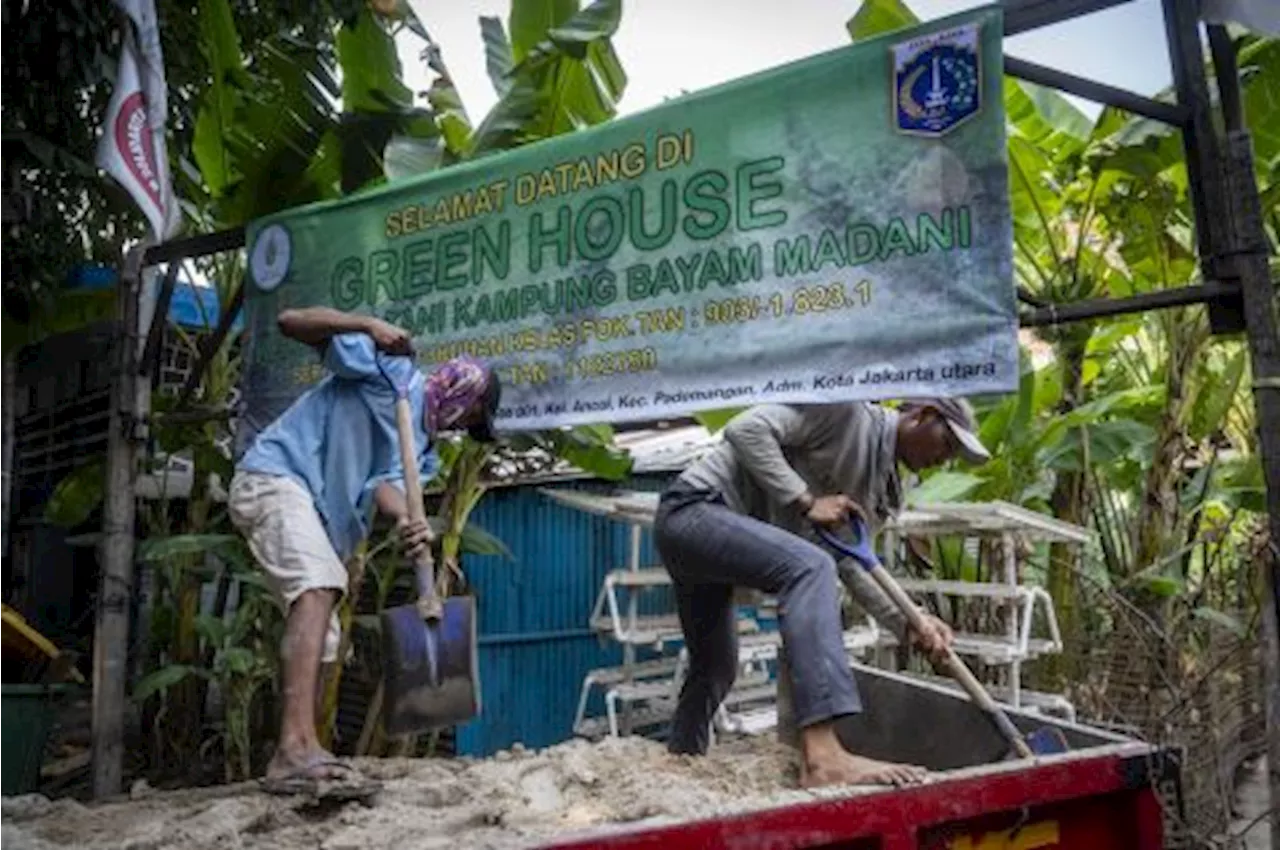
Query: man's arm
[[391, 503], [315, 326], [758, 436], [871, 598]]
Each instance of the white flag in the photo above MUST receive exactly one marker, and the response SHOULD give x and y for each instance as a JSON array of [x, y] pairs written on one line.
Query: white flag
[[132, 148], [150, 58], [1262, 16]]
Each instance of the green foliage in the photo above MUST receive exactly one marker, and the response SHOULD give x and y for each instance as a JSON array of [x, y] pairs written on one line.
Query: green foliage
[[945, 486], [715, 420], [371, 73], [159, 681], [557, 73], [57, 64], [42, 314], [590, 448], [227, 546], [77, 496], [877, 17], [477, 541]]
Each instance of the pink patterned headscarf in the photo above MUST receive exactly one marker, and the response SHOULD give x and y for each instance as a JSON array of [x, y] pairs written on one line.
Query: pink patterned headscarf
[[452, 389]]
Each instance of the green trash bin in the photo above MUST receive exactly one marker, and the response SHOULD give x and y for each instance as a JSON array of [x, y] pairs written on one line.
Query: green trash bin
[[26, 715]]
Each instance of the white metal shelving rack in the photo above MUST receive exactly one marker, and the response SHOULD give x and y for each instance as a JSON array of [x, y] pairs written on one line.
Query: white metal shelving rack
[[1008, 526]]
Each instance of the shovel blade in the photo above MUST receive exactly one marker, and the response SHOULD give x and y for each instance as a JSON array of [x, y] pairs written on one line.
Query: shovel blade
[[430, 669], [1047, 741]]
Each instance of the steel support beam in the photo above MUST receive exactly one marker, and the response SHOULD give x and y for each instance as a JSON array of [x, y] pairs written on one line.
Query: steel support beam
[[1241, 242], [1170, 113], [1199, 140], [1101, 308], [155, 333], [1263, 333], [200, 245], [1227, 72], [1025, 15]]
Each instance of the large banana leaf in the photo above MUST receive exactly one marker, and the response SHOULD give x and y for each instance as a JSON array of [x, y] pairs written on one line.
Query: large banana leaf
[[1260, 80], [446, 103], [498, 58], [876, 17], [378, 110], [228, 79], [531, 20], [260, 126], [564, 75], [1046, 119], [371, 75]]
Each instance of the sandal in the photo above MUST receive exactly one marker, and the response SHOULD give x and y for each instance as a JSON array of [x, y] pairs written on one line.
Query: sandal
[[303, 781]]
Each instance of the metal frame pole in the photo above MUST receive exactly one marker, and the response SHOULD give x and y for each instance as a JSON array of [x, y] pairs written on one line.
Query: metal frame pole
[[1238, 250], [1247, 253]]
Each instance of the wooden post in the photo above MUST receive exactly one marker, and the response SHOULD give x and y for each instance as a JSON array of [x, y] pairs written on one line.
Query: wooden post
[[111, 635]]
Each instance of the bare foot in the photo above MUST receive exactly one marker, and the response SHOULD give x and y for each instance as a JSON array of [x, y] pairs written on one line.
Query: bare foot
[[847, 769]]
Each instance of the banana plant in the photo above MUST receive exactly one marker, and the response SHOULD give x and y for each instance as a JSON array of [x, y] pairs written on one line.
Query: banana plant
[[238, 651], [554, 70]]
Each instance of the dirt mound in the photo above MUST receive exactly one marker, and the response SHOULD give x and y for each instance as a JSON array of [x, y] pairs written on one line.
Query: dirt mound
[[515, 799]]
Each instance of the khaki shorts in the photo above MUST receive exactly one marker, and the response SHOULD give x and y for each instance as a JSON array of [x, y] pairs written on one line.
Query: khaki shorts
[[288, 540]]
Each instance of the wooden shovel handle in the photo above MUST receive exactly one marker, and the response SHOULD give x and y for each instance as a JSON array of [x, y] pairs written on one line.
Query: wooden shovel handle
[[957, 668], [424, 568]]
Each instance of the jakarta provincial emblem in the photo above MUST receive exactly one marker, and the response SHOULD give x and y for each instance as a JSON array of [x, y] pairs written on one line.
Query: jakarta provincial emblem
[[270, 257], [937, 83]]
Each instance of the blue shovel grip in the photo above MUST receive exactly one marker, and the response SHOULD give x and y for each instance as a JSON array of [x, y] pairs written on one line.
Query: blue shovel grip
[[402, 392], [860, 549]]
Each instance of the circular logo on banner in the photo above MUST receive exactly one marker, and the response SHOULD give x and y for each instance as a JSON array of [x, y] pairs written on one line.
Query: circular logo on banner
[[269, 260]]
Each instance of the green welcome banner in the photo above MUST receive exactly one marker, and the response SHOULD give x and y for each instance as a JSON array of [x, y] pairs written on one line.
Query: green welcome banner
[[834, 229]]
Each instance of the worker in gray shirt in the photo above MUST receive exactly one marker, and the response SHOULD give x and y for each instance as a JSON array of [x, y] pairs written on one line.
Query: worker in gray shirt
[[744, 515]]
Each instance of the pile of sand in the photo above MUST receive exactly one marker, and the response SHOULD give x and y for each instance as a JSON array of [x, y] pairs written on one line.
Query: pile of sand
[[515, 799]]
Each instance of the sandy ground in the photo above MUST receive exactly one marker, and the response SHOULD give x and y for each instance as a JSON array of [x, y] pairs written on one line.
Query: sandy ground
[[516, 799]]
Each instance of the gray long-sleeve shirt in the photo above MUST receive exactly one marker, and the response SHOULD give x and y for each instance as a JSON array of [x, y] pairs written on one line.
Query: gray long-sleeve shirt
[[774, 453]]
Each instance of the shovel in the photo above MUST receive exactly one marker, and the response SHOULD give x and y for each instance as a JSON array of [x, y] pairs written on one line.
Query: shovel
[[1043, 741], [429, 663]]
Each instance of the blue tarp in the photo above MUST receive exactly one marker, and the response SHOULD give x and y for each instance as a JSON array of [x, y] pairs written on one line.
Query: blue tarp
[[197, 307], [194, 307]]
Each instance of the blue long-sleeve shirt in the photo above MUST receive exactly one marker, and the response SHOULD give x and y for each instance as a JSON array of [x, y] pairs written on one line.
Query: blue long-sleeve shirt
[[339, 439]]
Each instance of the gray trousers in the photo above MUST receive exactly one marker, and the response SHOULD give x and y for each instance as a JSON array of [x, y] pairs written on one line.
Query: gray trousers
[[709, 549]]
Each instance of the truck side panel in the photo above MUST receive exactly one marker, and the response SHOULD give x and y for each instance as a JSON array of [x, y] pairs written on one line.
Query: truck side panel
[[1104, 802]]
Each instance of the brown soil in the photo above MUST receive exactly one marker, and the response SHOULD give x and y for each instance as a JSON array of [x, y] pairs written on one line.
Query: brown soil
[[515, 799]]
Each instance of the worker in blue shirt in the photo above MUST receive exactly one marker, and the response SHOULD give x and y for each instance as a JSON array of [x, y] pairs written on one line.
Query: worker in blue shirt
[[305, 488]]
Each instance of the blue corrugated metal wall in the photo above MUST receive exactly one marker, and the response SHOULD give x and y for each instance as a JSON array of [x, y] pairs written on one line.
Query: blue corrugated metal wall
[[535, 643]]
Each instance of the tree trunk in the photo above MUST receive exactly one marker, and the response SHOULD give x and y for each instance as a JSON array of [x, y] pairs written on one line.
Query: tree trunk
[[1159, 513], [1068, 504]]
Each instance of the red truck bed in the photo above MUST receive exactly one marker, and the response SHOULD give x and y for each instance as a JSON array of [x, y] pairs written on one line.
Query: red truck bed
[[1103, 795]]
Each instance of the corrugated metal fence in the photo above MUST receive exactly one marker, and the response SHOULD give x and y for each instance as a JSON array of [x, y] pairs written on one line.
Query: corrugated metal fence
[[535, 642]]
